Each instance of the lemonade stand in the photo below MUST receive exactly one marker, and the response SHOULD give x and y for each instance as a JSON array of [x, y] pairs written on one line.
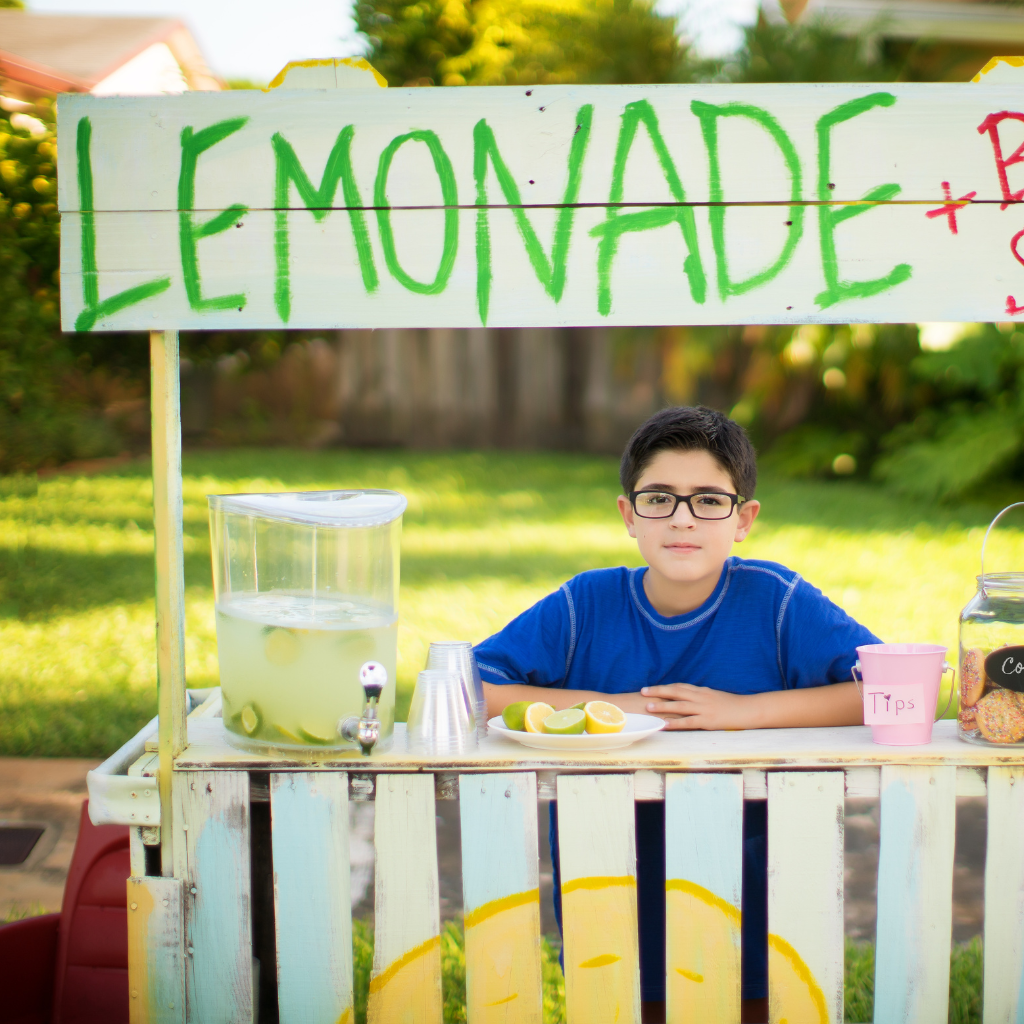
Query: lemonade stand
[[665, 204]]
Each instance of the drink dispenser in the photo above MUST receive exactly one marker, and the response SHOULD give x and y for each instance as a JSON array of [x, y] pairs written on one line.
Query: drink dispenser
[[306, 594]]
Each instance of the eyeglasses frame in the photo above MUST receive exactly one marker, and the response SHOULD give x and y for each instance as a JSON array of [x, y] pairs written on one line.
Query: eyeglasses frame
[[737, 499]]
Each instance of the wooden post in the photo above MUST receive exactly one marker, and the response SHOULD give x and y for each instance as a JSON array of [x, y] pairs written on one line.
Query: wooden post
[[170, 570]]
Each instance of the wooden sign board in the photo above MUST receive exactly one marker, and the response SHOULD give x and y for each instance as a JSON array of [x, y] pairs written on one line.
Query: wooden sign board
[[543, 206]]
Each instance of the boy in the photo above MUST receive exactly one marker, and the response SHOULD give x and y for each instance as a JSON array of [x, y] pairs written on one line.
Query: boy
[[699, 638]]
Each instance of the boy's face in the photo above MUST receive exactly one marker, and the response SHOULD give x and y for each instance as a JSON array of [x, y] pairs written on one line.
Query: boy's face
[[684, 549]]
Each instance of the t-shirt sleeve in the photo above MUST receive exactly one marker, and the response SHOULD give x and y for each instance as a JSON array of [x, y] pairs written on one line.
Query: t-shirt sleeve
[[818, 641], [533, 648]]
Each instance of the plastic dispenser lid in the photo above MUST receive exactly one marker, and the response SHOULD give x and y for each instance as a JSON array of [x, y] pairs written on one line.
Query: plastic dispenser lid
[[316, 508]]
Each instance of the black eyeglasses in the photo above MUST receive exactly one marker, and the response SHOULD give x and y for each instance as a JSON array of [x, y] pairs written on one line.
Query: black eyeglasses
[[663, 504]]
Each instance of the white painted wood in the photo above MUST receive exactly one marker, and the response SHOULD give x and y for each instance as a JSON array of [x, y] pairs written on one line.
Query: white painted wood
[[406, 979], [756, 749], [1003, 1002], [703, 886], [911, 136], [156, 953], [211, 851], [805, 897], [312, 905], [597, 849], [915, 894], [501, 898]]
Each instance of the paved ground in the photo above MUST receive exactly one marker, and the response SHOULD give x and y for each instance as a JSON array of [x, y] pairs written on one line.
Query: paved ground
[[41, 791], [50, 792]]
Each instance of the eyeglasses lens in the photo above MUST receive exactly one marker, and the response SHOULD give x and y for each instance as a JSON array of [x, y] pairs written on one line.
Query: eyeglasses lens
[[658, 505]]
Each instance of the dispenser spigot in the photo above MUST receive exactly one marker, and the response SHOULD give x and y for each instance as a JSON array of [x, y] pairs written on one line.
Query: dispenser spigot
[[366, 730]]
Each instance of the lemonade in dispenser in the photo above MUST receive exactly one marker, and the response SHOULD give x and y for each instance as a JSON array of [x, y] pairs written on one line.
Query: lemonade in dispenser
[[306, 598]]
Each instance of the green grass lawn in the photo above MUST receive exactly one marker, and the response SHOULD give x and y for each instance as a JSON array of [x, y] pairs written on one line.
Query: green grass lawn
[[485, 536]]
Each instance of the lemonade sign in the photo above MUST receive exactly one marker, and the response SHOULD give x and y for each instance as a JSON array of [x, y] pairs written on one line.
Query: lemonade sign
[[542, 206]]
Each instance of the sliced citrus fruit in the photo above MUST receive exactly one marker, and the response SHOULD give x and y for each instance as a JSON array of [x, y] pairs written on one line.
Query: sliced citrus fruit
[[281, 646], [533, 719], [513, 717], [317, 735], [578, 707], [570, 722], [604, 717], [250, 719]]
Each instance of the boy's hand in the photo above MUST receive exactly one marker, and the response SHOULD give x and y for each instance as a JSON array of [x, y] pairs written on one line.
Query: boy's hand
[[684, 706]]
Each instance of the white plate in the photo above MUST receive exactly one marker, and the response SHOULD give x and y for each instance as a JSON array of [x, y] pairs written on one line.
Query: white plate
[[638, 727]]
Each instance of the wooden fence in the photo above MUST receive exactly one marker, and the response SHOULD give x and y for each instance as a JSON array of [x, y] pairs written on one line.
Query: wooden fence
[[583, 389]]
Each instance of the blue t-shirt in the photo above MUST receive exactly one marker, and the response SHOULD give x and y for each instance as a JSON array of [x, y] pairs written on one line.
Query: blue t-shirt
[[763, 628]]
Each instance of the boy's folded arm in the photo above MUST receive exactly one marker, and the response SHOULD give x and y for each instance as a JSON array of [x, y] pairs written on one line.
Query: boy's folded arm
[[700, 707], [500, 696]]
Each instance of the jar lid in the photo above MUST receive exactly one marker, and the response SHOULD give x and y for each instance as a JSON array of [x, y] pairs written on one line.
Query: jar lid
[[316, 508]]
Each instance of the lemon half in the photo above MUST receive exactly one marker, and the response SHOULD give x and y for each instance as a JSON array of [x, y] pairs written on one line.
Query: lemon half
[[533, 720], [604, 717]]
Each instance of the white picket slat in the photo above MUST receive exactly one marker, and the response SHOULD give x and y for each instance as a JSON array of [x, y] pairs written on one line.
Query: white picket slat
[[211, 837], [805, 897], [915, 894], [156, 951], [597, 851], [703, 886], [406, 981], [1003, 1001], [312, 905], [501, 898]]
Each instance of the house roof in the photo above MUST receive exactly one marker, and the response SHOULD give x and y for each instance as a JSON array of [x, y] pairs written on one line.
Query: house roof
[[971, 22], [73, 53]]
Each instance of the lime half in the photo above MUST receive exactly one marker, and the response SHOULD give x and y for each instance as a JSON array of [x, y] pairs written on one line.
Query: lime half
[[570, 722], [514, 716]]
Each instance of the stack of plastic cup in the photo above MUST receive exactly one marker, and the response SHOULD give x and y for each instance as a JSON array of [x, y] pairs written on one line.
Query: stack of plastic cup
[[441, 720], [457, 656]]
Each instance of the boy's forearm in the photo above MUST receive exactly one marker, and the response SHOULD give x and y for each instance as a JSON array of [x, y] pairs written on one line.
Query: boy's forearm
[[836, 704], [500, 696]]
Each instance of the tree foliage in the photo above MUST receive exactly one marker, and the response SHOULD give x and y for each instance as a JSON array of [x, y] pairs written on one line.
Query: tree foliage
[[520, 42]]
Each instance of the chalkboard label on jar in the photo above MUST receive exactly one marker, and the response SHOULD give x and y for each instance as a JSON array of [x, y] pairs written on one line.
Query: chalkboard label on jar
[[1005, 667]]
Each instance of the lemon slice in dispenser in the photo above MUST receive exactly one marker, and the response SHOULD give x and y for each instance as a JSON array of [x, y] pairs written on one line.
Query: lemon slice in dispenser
[[318, 735], [281, 646], [250, 719]]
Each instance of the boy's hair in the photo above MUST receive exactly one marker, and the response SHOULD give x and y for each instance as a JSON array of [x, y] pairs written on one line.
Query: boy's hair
[[692, 429]]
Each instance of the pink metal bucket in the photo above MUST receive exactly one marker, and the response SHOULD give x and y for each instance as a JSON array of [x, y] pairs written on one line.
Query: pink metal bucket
[[900, 688]]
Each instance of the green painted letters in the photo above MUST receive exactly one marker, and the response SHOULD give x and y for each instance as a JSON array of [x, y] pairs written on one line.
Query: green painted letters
[[550, 273], [94, 309], [617, 224], [318, 201], [709, 115], [194, 143], [450, 197], [829, 217]]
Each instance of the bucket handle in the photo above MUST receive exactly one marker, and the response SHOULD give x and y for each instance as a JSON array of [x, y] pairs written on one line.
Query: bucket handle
[[946, 667], [1016, 504]]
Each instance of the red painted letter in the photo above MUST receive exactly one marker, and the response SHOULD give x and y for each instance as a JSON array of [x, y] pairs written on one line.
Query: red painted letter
[[991, 125]]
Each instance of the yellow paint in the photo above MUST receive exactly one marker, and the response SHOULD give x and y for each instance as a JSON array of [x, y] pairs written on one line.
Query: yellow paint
[[691, 975], [601, 961], [138, 954], [794, 996], [1014, 62], [346, 1017], [602, 983], [503, 965], [702, 954], [517, 899], [408, 991], [359, 63]]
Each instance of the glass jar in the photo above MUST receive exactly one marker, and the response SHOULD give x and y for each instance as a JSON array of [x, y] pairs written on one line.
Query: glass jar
[[992, 658], [305, 592]]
